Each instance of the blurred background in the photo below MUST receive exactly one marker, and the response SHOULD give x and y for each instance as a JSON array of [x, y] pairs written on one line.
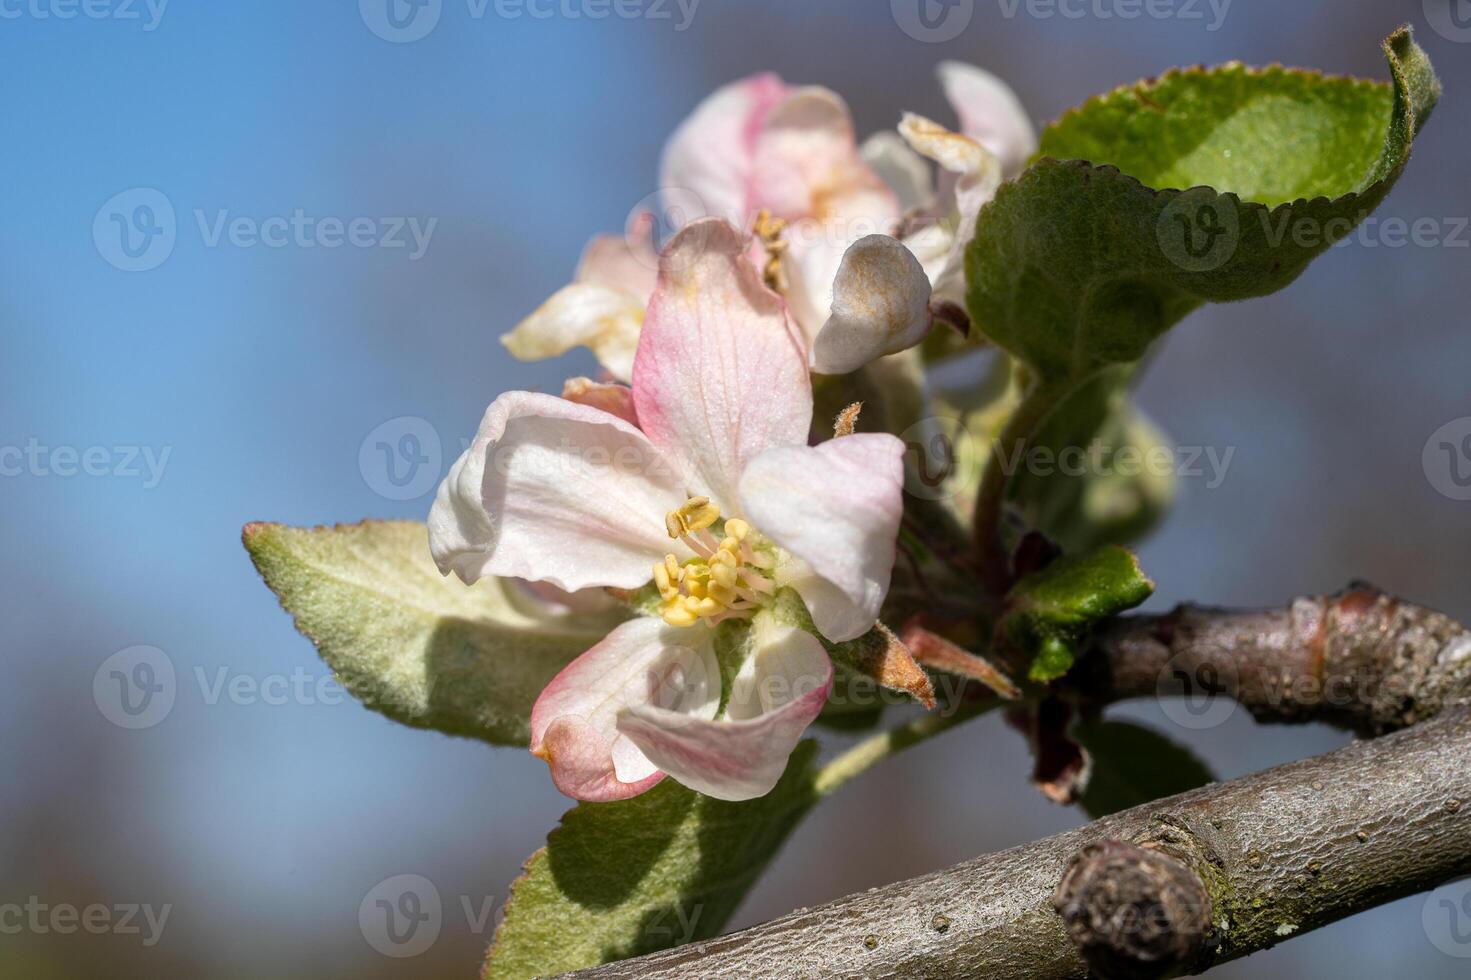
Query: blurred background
[[216, 383]]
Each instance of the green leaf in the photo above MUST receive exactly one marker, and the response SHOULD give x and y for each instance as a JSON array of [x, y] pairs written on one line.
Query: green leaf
[[1097, 472], [1049, 613], [1096, 250], [662, 869], [420, 648], [1134, 765]]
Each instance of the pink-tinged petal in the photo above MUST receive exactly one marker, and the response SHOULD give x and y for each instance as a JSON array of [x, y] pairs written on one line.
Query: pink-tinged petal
[[990, 113], [808, 164], [557, 492], [779, 690], [881, 305], [707, 164], [720, 376], [810, 172], [836, 508], [605, 319], [614, 399], [644, 663]]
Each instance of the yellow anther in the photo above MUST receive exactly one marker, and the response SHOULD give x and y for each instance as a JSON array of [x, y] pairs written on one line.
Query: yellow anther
[[725, 595], [672, 564], [710, 607], [661, 579], [675, 613], [736, 528], [723, 574], [696, 514]]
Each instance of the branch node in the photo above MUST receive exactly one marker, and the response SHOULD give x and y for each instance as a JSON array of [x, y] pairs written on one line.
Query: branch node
[[1133, 913]]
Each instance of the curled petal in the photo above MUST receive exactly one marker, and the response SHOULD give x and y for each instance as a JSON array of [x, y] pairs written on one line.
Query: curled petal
[[720, 376], [881, 305], [557, 492], [780, 688], [643, 664], [973, 175], [603, 307], [835, 507], [603, 318], [990, 113], [611, 398], [708, 162]]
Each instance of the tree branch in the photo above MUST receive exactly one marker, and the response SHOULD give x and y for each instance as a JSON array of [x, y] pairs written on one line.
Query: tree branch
[[1182, 884]]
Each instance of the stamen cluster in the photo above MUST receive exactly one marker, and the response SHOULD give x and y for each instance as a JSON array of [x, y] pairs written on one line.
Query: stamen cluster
[[726, 577]]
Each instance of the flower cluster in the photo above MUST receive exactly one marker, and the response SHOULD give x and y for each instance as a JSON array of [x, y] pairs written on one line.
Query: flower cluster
[[689, 482]]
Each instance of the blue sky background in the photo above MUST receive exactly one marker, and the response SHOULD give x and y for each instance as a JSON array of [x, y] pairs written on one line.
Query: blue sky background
[[262, 370]]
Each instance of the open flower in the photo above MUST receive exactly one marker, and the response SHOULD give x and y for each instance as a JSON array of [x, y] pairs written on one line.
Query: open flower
[[716, 498], [782, 160]]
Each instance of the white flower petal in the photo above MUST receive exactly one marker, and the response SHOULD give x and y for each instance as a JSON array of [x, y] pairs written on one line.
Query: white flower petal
[[990, 113], [906, 172], [557, 492], [720, 376], [614, 399], [881, 305], [779, 690], [836, 507], [644, 663]]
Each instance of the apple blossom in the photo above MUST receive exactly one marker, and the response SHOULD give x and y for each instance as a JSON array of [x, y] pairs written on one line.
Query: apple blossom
[[699, 481]]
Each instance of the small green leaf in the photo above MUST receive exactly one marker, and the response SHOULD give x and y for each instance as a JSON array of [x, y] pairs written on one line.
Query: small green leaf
[[1134, 765], [420, 648], [662, 869], [1097, 472], [1098, 248], [1049, 613]]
